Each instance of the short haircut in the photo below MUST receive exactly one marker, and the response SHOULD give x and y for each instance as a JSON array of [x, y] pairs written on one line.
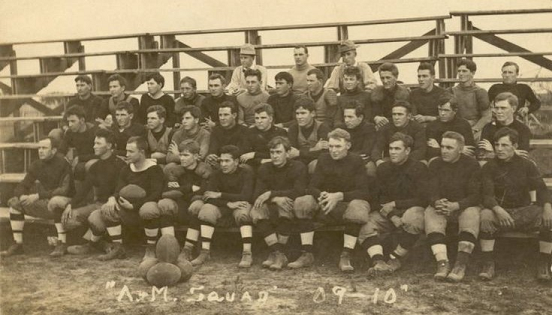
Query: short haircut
[[427, 66], [253, 73], [448, 98], [233, 150], [264, 108], [157, 77], [193, 110], [160, 110], [319, 74], [284, 75], [190, 81], [507, 96], [302, 46], [229, 104], [455, 136], [117, 77], [507, 132], [391, 67], [123, 105], [141, 142], [305, 103], [106, 134], [83, 78], [54, 142], [404, 104], [339, 134], [356, 105], [510, 63], [468, 63], [276, 141], [404, 138], [189, 145], [75, 110], [352, 72], [217, 76]]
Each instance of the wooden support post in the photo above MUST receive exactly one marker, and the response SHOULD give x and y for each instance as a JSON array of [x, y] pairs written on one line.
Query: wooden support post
[[440, 30], [7, 51], [342, 32], [252, 37], [233, 61], [169, 41], [73, 47], [148, 60], [469, 40]]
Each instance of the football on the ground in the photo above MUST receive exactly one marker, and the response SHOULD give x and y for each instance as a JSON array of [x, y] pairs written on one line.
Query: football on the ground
[[163, 275], [145, 267], [167, 249], [186, 270]]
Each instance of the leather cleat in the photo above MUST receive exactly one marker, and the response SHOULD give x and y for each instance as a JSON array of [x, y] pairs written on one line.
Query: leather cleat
[[117, 251], [543, 271], [150, 252], [345, 262], [280, 261], [13, 250], [204, 256], [60, 250], [394, 264], [269, 261], [379, 268], [443, 269], [305, 260], [487, 271], [185, 254], [246, 260], [457, 273]]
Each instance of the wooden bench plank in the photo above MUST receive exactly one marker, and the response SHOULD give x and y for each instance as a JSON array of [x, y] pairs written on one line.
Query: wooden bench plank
[[12, 178], [31, 119], [19, 145]]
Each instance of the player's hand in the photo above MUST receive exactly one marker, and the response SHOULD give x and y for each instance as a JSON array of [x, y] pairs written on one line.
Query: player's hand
[[432, 143], [419, 118], [212, 159], [329, 201], [320, 145], [380, 121], [236, 204], [261, 199], [158, 155], [485, 145], [195, 188], [469, 150], [211, 195], [487, 225], [173, 148], [523, 111], [449, 208], [522, 153], [110, 205], [386, 208], [29, 200], [66, 215], [285, 203], [396, 221], [547, 216], [125, 204], [246, 157], [504, 218]]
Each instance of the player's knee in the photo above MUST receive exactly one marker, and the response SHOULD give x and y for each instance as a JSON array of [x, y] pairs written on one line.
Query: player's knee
[[370, 169], [434, 222], [195, 206], [357, 212], [413, 220], [367, 230], [305, 207], [15, 204], [209, 213], [57, 203], [149, 211], [312, 166], [167, 207], [261, 213], [242, 216], [96, 222]]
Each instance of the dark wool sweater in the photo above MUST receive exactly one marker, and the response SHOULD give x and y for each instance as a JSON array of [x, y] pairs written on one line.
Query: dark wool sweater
[[413, 129], [507, 184], [436, 129], [220, 137], [404, 184], [109, 105], [92, 106], [210, 106], [346, 175], [166, 101], [102, 177], [121, 137], [383, 99], [83, 142], [426, 103], [186, 178], [284, 112], [363, 97], [54, 177], [289, 180], [237, 186], [257, 141], [458, 182], [524, 132], [150, 179], [363, 138], [522, 91], [181, 102]]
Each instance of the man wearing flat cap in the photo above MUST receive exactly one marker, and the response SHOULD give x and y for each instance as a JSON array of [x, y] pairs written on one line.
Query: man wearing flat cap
[[247, 57], [347, 49]]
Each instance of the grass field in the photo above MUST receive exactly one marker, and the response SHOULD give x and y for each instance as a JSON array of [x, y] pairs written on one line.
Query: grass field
[[36, 284]]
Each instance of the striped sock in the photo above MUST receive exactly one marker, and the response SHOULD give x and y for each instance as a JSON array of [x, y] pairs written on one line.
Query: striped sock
[[115, 232], [151, 235], [246, 232], [17, 222], [62, 234], [207, 232], [192, 236], [307, 241]]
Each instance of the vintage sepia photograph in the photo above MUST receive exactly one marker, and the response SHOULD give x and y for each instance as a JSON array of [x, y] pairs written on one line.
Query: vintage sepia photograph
[[276, 157]]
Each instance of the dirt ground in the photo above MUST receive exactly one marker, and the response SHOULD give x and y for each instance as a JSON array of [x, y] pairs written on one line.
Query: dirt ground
[[36, 284]]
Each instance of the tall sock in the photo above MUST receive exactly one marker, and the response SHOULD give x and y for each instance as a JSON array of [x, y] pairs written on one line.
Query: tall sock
[[207, 231], [246, 232], [306, 230], [151, 228], [545, 245], [350, 235], [373, 247], [61, 233], [115, 233], [487, 243], [166, 223], [192, 234], [17, 222], [438, 247]]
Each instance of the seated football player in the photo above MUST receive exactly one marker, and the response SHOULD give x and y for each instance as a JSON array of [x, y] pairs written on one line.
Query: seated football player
[[278, 185], [282, 101], [338, 192], [258, 136], [124, 127], [399, 205], [454, 198], [508, 181], [402, 122], [426, 98], [353, 92], [363, 134], [190, 97], [182, 196], [190, 129], [78, 142], [325, 100], [117, 86], [101, 178], [308, 137], [385, 96], [134, 202], [227, 198], [44, 192], [251, 98], [159, 136]]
